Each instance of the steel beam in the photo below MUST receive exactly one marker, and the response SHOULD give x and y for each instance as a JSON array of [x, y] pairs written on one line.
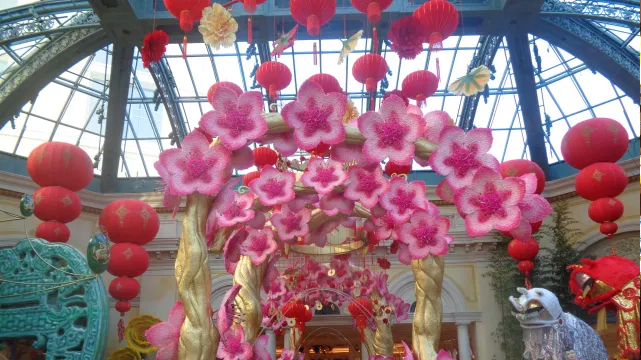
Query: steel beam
[[164, 82], [122, 59]]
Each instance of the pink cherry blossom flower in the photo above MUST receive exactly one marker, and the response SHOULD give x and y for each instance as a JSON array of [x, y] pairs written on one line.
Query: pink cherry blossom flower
[[239, 210], [403, 198], [404, 256], [277, 288], [291, 224], [169, 200], [284, 142], [490, 202], [401, 308], [231, 250], [165, 335], [260, 349], [461, 154], [366, 185], [235, 119], [323, 175], [318, 236], [258, 245], [273, 187], [315, 116], [225, 314], [334, 203], [444, 191], [534, 208], [290, 354], [195, 167], [242, 158], [425, 235], [347, 153], [384, 227], [301, 200], [233, 345], [390, 132], [435, 121]]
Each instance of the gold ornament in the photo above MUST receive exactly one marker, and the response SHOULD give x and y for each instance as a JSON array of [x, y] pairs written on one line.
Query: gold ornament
[[291, 322], [135, 333], [426, 326], [331, 272], [218, 27], [125, 353]]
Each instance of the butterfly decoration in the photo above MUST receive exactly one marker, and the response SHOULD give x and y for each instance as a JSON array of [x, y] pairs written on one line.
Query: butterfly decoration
[[284, 42], [472, 83], [349, 45]]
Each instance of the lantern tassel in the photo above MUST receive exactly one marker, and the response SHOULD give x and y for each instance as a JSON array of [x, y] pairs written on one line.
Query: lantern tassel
[[315, 54], [250, 37], [375, 41], [528, 283], [121, 330], [185, 47]]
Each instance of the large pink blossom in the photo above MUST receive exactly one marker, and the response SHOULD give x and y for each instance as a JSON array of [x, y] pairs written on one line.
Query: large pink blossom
[[169, 200], [291, 224], [461, 154], [225, 314], [426, 235], [231, 250], [403, 198], [318, 236], [323, 175], [235, 119], [165, 335], [260, 349], [334, 203], [233, 345], [366, 184], [490, 202], [435, 121], [347, 153], [238, 211], [390, 132], [258, 245], [283, 142], [384, 227], [315, 116], [273, 187], [534, 208], [195, 167]]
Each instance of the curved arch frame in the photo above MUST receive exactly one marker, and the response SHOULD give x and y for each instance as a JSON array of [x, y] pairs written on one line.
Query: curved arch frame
[[595, 236]]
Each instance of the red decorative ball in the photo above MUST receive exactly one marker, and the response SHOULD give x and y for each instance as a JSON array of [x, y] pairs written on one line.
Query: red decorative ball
[[131, 221], [129, 260], [124, 288], [518, 167], [293, 309], [594, 140], [53, 231], [225, 84], [265, 156], [327, 82], [522, 251], [439, 19], [123, 306], [609, 228], [369, 69], [250, 176], [526, 267], [187, 12], [601, 180], [154, 46], [419, 85], [60, 164], [56, 203], [393, 168], [250, 5], [605, 210], [273, 76]]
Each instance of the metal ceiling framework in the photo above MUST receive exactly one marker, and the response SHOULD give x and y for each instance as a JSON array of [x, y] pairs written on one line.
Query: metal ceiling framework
[[53, 27]]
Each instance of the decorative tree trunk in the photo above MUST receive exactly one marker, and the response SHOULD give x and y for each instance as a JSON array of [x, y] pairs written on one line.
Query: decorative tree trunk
[[379, 342], [249, 276], [426, 327], [197, 335]]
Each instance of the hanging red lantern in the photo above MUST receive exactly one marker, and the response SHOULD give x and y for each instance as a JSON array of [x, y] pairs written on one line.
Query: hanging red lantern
[[293, 309], [608, 229], [439, 19], [250, 5], [56, 203], [123, 306], [129, 260], [594, 140], [273, 76], [535, 228], [601, 180], [361, 310], [312, 13], [321, 150], [526, 267], [327, 82], [53, 231], [406, 37], [372, 8], [393, 169], [420, 85], [369, 69], [607, 209], [247, 178], [518, 167], [60, 164], [187, 12], [129, 220], [265, 156], [521, 251], [225, 84], [124, 288]]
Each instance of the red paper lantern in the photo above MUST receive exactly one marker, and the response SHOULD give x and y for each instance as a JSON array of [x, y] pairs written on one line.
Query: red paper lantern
[[56, 203], [312, 13], [526, 267], [250, 176], [250, 5], [129, 260], [608, 229], [123, 306], [518, 167], [321, 150], [124, 288], [369, 69], [187, 11], [522, 251], [439, 19], [605, 210], [398, 93], [60, 164], [224, 84], [361, 310], [273, 77], [372, 8], [131, 221], [396, 169], [420, 85], [601, 180], [265, 156], [53, 231], [327, 82], [594, 140], [293, 309]]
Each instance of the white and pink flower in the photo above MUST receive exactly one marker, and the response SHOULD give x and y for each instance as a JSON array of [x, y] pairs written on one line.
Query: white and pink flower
[[238, 211], [426, 235], [403, 198], [231, 250], [534, 208], [225, 314], [334, 203], [233, 345], [366, 184], [435, 121], [258, 245], [273, 187], [291, 224], [323, 175], [165, 335]]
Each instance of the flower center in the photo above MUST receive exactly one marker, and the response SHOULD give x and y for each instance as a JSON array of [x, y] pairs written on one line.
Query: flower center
[[404, 200], [391, 134], [463, 159], [315, 118], [234, 346], [367, 183], [292, 222], [233, 211], [424, 235], [491, 202], [237, 122], [259, 242], [325, 175], [273, 188], [195, 166]]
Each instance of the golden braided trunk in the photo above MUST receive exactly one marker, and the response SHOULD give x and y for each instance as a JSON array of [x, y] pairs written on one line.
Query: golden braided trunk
[[426, 326], [379, 342], [249, 277], [197, 336]]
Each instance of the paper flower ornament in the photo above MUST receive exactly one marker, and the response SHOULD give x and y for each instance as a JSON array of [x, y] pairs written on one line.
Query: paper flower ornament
[[323, 175], [218, 27], [154, 47], [426, 235], [273, 187], [165, 335], [472, 83]]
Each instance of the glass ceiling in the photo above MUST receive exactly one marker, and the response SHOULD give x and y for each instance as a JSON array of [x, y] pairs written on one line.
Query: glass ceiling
[[68, 108]]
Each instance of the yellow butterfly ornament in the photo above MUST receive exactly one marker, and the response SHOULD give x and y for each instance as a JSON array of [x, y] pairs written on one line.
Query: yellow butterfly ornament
[[349, 45], [472, 83]]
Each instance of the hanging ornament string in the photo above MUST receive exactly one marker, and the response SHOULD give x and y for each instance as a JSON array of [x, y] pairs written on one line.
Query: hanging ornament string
[[154, 21], [344, 21]]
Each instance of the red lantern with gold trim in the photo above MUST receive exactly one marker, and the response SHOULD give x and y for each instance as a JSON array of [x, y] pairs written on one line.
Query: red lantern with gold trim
[[369, 69], [601, 180], [518, 167], [312, 13], [439, 19], [594, 140], [607, 209], [129, 260], [187, 12], [361, 310], [124, 288], [60, 164], [129, 220], [327, 82], [522, 251], [53, 231], [265, 156], [394, 169], [419, 85], [273, 76], [225, 84], [56, 203]]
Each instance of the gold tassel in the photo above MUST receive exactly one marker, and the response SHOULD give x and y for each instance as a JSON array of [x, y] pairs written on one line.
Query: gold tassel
[[601, 321]]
